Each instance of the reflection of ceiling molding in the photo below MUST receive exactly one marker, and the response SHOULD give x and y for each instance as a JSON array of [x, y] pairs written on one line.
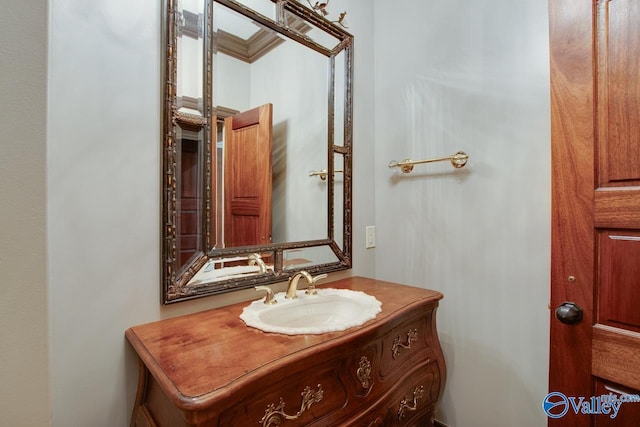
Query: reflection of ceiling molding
[[221, 112], [190, 24], [189, 102], [255, 47]]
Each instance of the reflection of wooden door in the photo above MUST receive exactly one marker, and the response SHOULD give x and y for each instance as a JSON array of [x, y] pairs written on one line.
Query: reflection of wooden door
[[189, 199], [247, 177], [595, 93]]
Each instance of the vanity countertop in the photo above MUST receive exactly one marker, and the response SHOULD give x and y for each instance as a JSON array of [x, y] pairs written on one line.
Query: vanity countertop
[[202, 357]]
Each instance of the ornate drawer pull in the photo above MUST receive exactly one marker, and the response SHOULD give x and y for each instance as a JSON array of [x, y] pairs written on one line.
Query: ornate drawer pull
[[412, 336], [364, 372], [405, 406], [274, 415]]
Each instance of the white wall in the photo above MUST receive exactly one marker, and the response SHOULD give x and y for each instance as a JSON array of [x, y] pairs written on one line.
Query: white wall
[[24, 341], [360, 21], [472, 76], [103, 198], [294, 79], [103, 178]]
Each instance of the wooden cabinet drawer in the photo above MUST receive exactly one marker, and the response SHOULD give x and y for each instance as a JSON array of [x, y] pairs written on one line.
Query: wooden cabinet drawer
[[409, 402], [412, 402], [301, 399], [360, 368], [404, 347], [389, 356], [415, 400]]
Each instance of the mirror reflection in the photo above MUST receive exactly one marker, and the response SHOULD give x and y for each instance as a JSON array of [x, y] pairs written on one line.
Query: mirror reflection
[[255, 67], [259, 107]]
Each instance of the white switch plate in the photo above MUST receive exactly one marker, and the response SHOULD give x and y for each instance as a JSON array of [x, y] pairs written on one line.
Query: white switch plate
[[371, 236]]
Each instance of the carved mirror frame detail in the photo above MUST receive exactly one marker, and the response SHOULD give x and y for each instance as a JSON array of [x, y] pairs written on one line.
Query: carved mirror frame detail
[[174, 278]]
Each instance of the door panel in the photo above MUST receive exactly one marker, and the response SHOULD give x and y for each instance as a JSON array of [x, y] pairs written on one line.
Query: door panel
[[618, 60], [595, 93], [628, 413], [247, 178], [619, 269]]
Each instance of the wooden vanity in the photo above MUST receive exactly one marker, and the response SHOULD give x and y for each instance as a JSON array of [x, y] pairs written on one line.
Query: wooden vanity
[[210, 369]]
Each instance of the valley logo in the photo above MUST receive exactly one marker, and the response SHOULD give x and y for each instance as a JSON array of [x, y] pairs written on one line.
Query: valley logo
[[556, 404]]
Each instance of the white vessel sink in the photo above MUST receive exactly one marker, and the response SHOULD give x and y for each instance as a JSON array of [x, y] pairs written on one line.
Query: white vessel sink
[[331, 310]]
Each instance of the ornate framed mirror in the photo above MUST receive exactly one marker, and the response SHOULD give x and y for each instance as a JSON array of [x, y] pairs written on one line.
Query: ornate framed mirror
[[257, 145]]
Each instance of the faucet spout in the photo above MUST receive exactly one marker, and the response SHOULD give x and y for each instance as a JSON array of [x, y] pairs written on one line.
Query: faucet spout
[[293, 283]]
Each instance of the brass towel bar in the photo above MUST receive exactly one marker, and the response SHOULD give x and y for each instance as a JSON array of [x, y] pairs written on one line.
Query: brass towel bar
[[457, 160], [323, 173]]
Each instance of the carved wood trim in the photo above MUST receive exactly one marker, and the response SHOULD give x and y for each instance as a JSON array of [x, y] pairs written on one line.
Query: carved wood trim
[[190, 120]]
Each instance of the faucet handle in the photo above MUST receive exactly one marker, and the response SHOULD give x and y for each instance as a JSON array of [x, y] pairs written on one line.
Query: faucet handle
[[311, 288], [319, 277], [269, 298]]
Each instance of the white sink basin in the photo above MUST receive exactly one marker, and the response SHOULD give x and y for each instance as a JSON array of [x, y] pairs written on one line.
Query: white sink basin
[[331, 310]]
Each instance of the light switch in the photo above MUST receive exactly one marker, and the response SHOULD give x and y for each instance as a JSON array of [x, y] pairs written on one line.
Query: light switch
[[370, 232]]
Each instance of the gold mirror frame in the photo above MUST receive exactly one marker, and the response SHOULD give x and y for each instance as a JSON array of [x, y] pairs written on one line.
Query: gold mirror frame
[[176, 279]]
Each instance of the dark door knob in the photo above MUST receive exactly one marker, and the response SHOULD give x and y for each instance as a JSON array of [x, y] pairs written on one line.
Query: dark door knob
[[569, 313]]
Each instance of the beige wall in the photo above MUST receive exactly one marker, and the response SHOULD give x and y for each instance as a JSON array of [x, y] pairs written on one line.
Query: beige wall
[[24, 346]]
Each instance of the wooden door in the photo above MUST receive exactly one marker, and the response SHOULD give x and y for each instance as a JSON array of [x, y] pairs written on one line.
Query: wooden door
[[247, 178], [595, 106]]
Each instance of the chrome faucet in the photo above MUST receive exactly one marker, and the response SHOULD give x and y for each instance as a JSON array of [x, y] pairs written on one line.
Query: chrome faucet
[[311, 287]]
